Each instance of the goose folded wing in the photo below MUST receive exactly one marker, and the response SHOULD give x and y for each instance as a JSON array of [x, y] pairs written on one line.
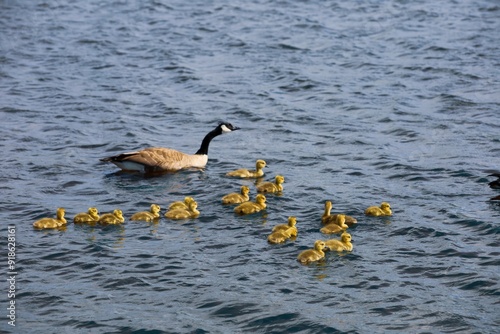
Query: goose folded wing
[[157, 158]]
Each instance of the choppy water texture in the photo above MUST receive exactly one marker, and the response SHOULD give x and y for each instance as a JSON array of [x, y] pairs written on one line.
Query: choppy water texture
[[356, 102]]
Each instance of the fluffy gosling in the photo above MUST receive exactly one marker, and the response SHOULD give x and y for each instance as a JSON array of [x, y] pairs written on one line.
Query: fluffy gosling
[[383, 210], [181, 204], [91, 216], [52, 222], [148, 216], [245, 173], [328, 218], [344, 244], [114, 218], [252, 207], [312, 255], [337, 227], [235, 198], [192, 212], [272, 187]]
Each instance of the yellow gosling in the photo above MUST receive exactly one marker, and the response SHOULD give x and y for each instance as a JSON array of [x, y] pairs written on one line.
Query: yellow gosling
[[290, 227], [338, 227], [344, 244], [279, 237], [235, 198], [114, 218], [272, 187], [328, 218], [252, 207], [312, 255], [245, 173], [91, 216], [52, 222], [383, 210], [148, 216], [181, 204], [192, 212]]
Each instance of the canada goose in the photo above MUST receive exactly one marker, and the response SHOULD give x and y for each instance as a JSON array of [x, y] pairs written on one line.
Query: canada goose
[[159, 159], [340, 245], [495, 184], [91, 216], [114, 218], [52, 222], [311, 255], [272, 187], [191, 212], [181, 204], [148, 216], [328, 218], [235, 198], [383, 210], [245, 173], [290, 226], [279, 236], [252, 207], [337, 227]]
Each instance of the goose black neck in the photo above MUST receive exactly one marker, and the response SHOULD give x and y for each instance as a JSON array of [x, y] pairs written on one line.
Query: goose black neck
[[206, 141]]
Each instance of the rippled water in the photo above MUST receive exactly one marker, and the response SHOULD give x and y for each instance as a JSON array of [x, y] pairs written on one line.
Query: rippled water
[[356, 102]]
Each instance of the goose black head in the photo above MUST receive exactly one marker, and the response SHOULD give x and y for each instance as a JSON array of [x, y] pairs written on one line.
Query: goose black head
[[227, 127]]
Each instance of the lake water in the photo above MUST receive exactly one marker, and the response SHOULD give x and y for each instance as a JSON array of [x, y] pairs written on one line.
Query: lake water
[[356, 102]]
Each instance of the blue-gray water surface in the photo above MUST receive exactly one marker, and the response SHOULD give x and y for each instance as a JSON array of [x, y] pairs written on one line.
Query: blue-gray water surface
[[356, 102]]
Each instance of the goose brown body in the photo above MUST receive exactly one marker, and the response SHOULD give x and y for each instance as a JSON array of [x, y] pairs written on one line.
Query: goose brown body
[[245, 173], [160, 159], [91, 216], [52, 222]]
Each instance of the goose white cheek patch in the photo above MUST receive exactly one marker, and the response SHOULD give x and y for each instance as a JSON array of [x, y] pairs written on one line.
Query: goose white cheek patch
[[225, 129]]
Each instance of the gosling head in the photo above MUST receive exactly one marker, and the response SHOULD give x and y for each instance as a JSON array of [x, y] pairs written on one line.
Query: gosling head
[[60, 212], [93, 212], [188, 200], [260, 199], [328, 205], [319, 245], [345, 237], [279, 179], [292, 221], [245, 190], [386, 208], [155, 208], [260, 164], [118, 213], [193, 205]]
